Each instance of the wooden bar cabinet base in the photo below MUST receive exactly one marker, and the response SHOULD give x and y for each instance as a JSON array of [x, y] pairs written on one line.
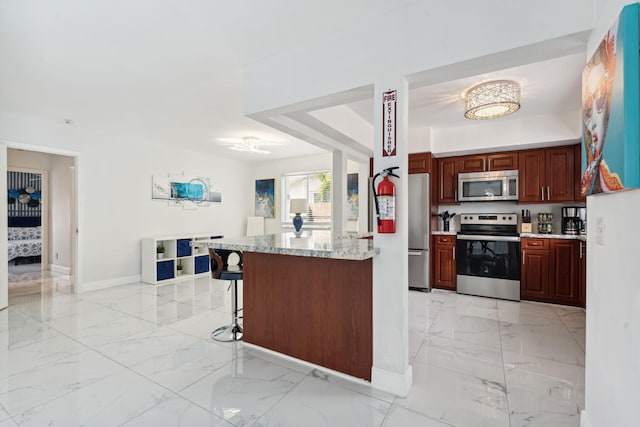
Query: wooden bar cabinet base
[[315, 309]]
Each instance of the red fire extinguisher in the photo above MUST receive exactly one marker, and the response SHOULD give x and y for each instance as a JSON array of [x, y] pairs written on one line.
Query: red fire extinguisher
[[385, 201]]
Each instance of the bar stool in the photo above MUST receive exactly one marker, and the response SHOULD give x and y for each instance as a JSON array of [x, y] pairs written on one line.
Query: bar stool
[[227, 265]]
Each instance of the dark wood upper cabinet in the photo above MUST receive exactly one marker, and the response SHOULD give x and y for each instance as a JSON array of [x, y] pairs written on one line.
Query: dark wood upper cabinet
[[547, 175], [488, 162], [502, 161], [420, 163], [472, 164], [448, 180], [531, 178], [560, 178]]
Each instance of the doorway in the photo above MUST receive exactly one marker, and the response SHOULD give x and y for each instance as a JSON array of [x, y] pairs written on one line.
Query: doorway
[[43, 210], [27, 228]]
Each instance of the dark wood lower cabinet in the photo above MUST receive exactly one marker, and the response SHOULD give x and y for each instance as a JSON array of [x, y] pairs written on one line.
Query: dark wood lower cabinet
[[551, 271], [582, 275], [564, 269], [535, 275], [444, 261]]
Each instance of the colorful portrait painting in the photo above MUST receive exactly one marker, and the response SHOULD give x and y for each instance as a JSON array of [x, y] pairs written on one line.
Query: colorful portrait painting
[[265, 198], [610, 109]]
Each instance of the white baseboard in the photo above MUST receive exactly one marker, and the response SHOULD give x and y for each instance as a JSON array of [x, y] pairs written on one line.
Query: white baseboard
[[584, 419], [59, 269], [103, 284], [392, 382]]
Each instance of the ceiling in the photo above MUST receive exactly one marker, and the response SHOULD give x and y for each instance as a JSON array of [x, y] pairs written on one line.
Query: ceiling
[[172, 71], [547, 87]]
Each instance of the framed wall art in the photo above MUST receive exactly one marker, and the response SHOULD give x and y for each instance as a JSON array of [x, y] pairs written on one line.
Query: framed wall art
[[265, 198]]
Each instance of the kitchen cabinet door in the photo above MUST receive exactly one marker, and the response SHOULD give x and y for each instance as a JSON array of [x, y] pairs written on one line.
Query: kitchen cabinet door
[[582, 274], [420, 163], [532, 176], [447, 181], [488, 162], [444, 261], [534, 280], [502, 161], [559, 177], [472, 163], [564, 267]]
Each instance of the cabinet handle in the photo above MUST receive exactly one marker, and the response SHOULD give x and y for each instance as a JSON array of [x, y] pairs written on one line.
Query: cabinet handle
[[548, 193], [455, 195], [542, 193], [524, 253], [454, 253], [580, 250]]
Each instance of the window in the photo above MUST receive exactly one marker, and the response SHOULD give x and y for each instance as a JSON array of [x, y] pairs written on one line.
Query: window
[[313, 186]]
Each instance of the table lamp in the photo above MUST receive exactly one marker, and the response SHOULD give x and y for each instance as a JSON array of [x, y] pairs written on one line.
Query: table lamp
[[297, 206]]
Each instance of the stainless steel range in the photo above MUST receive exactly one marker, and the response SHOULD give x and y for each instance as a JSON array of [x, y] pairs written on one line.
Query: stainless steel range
[[488, 256]]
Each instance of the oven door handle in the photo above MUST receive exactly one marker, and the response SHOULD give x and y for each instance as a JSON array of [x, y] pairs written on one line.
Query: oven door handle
[[488, 238]]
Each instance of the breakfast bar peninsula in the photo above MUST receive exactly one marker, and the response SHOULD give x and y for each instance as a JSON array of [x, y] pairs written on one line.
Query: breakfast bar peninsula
[[308, 296]]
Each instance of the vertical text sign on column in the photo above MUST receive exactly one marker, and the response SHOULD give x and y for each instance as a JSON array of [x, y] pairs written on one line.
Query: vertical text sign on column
[[389, 123]]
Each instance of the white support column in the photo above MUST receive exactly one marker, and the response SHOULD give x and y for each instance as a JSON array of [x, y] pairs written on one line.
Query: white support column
[[339, 193], [391, 370], [363, 197]]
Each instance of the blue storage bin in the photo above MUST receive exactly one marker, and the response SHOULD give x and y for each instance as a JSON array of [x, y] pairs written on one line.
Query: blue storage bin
[[183, 247], [164, 270], [202, 264]]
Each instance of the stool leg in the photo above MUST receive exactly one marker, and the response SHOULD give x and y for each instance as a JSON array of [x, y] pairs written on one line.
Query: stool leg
[[233, 332]]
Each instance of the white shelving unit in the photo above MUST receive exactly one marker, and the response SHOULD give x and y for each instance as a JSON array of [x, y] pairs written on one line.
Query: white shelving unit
[[178, 251]]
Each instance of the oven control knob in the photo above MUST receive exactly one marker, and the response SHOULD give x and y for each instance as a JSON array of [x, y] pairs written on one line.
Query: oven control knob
[[504, 217], [509, 218]]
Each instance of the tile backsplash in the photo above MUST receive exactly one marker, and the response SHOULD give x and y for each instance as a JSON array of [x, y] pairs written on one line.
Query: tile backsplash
[[505, 207]]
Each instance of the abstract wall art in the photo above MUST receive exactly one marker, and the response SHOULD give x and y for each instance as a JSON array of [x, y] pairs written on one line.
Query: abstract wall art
[[265, 198], [186, 191]]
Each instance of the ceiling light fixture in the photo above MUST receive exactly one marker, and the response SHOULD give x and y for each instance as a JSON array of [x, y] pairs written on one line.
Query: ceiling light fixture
[[249, 144], [492, 99]]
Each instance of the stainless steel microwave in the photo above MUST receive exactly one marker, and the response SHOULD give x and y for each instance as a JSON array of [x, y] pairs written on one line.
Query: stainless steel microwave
[[488, 186]]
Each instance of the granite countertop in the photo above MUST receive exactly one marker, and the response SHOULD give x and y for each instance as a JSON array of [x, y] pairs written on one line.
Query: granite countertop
[[582, 237], [312, 243], [444, 233]]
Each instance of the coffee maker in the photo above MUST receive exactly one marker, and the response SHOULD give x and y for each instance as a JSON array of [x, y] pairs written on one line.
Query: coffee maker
[[574, 220]]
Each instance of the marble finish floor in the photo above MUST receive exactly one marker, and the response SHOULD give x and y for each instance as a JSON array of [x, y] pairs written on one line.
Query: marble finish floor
[[139, 355]]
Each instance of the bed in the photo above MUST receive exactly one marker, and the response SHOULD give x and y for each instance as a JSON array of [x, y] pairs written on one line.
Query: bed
[[24, 240]]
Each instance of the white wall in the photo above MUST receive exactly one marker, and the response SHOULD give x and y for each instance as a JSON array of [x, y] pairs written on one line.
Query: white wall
[[114, 190], [612, 364], [275, 169], [613, 312], [515, 133], [60, 205]]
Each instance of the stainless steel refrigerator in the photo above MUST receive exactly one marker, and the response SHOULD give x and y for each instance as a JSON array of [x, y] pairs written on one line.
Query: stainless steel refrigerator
[[419, 212]]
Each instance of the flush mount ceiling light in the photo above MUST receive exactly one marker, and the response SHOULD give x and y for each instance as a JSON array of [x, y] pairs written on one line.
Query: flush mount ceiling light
[[248, 144], [492, 99]]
